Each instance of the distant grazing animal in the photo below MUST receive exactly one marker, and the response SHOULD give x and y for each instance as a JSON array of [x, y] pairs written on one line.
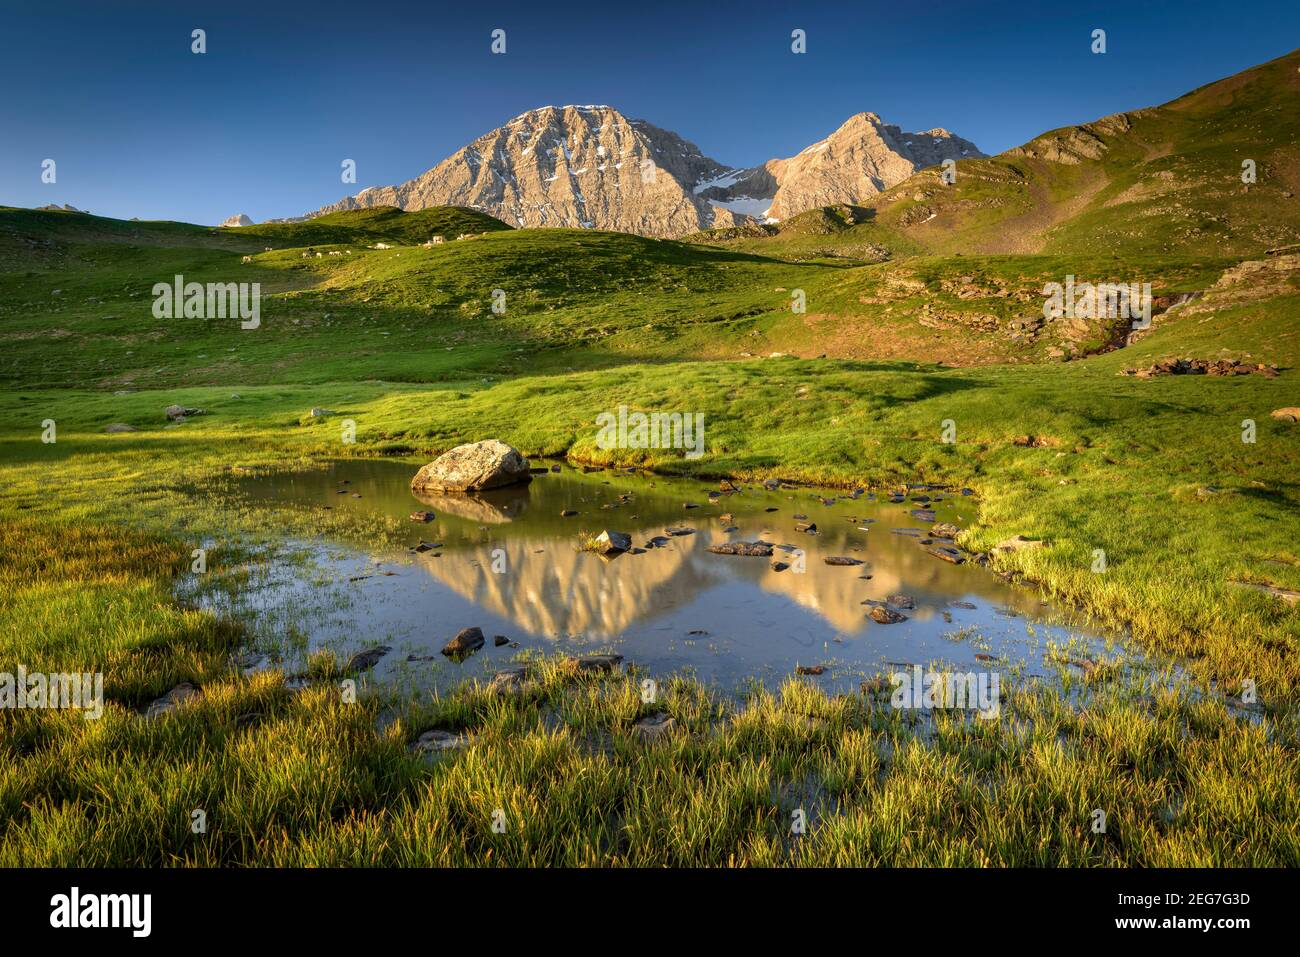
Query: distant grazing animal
[[318, 255], [247, 259]]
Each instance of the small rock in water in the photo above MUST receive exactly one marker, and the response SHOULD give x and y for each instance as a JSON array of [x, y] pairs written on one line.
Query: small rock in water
[[841, 560], [962, 604], [875, 686], [365, 660], [567, 512], [810, 670], [779, 566], [726, 518], [902, 601], [612, 543], [923, 514], [422, 516], [809, 527], [426, 546], [947, 553], [476, 466], [676, 530], [757, 549], [467, 641], [500, 640], [885, 616], [945, 530]]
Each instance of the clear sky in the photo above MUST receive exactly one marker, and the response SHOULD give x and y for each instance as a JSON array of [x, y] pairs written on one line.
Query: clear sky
[[140, 126]]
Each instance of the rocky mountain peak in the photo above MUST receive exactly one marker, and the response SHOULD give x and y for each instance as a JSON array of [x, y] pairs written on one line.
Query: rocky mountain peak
[[590, 166]]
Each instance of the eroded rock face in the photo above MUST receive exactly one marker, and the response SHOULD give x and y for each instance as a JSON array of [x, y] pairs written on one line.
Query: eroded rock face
[[592, 167], [865, 156], [473, 468]]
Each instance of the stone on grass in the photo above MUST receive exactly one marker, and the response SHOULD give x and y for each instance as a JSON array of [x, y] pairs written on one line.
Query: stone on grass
[[591, 663], [178, 413], [435, 741], [171, 700], [654, 727], [1018, 543], [509, 680]]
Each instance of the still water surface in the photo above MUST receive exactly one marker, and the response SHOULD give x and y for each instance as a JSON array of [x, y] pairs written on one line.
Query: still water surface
[[507, 562]]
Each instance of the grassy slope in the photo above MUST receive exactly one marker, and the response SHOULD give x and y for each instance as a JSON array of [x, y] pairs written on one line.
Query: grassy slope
[[1168, 186], [403, 341]]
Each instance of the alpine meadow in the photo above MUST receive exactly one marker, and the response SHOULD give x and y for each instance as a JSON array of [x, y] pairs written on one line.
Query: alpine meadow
[[585, 501]]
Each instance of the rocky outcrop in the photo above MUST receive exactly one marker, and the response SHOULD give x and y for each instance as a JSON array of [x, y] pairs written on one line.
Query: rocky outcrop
[[1075, 144], [590, 166], [1168, 366], [865, 156], [473, 468], [233, 221]]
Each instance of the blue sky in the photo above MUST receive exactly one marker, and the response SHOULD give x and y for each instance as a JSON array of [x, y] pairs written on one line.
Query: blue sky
[[140, 126]]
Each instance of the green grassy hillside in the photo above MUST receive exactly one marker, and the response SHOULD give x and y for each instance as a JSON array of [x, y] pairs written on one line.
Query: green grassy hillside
[[1157, 181]]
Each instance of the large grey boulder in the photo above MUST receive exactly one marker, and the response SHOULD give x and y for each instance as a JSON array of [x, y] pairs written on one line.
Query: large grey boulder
[[473, 468]]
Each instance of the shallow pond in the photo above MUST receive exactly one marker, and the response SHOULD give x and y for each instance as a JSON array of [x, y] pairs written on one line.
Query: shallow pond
[[508, 562]]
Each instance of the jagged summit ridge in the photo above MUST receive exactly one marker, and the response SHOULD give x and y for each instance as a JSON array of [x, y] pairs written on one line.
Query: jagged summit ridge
[[590, 166]]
